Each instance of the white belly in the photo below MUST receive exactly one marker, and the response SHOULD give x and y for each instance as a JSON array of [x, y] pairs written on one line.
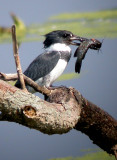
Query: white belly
[[57, 71]]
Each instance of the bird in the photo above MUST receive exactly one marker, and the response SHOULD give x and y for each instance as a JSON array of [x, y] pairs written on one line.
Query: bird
[[49, 65]]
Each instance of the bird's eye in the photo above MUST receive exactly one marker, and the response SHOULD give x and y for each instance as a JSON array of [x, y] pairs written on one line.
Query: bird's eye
[[67, 35]]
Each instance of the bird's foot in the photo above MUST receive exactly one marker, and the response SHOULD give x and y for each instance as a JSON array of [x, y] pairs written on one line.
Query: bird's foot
[[55, 87]]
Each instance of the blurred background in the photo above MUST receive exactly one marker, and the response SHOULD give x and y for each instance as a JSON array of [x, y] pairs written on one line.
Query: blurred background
[[97, 81]]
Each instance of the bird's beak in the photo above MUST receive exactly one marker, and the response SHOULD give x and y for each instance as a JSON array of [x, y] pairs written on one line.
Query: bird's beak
[[77, 38], [93, 43]]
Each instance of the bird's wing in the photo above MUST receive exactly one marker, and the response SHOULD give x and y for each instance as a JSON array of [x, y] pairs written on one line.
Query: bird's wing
[[41, 66]]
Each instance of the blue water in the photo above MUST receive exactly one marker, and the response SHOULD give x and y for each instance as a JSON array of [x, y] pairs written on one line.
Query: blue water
[[97, 83]]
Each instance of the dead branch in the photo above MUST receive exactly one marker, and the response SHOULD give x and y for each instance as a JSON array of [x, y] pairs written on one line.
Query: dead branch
[[9, 76], [30, 82], [100, 127], [17, 59], [68, 109], [30, 110]]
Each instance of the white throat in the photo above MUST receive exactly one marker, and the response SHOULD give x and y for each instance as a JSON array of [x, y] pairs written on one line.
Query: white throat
[[58, 47]]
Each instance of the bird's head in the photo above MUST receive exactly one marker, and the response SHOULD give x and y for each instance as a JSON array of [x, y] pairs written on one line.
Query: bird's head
[[60, 36]]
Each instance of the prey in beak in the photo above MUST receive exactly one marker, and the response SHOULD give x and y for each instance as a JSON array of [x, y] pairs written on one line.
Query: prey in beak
[[83, 48]]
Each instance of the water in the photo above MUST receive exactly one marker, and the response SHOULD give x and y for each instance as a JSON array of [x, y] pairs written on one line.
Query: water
[[97, 82]]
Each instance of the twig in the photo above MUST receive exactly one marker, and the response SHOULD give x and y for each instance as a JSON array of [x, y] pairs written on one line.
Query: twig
[[17, 59], [9, 76], [38, 88], [30, 82]]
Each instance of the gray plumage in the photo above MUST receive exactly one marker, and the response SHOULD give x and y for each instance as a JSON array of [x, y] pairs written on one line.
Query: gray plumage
[[43, 65]]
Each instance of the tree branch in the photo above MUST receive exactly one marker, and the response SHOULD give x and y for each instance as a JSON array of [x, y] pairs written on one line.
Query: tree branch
[[68, 109], [17, 59], [29, 81], [29, 110], [98, 125], [9, 76]]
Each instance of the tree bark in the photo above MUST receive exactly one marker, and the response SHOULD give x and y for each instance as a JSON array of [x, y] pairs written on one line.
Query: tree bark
[[27, 109], [66, 109]]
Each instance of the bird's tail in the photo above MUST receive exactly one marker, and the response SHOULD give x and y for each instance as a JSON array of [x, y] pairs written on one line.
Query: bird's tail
[[17, 84]]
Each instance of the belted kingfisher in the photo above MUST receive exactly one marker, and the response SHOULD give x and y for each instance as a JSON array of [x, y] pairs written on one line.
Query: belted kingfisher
[[48, 66]]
